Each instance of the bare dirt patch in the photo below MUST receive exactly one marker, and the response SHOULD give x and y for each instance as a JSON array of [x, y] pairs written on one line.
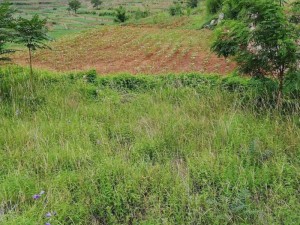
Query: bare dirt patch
[[133, 50]]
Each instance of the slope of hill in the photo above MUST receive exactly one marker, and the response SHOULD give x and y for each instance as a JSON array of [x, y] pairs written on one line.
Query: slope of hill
[[42, 4], [133, 49], [181, 147], [62, 22], [143, 150]]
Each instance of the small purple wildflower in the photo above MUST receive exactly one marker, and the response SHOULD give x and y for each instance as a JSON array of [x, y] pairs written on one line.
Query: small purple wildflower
[[35, 197], [47, 224], [48, 214]]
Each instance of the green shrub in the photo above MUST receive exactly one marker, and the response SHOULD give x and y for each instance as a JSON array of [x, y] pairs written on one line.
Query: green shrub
[[176, 10], [107, 13], [121, 15], [91, 76], [139, 14], [131, 83]]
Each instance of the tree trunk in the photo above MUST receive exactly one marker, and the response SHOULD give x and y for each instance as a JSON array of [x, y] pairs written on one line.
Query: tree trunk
[[31, 80]]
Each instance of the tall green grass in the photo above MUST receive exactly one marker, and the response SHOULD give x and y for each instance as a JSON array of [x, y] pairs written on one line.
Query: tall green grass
[[144, 150]]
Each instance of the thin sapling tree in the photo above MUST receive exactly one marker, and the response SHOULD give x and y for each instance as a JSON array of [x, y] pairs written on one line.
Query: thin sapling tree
[[32, 33]]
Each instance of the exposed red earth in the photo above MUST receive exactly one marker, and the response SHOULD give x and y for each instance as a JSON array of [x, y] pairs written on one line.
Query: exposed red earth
[[134, 50]]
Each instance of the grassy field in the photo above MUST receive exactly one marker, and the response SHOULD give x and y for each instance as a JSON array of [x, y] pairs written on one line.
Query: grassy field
[[141, 124], [39, 4], [60, 21], [133, 49], [64, 23], [144, 150]]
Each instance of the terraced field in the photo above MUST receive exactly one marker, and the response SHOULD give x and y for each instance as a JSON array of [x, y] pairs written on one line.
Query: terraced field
[[38, 4], [133, 49], [61, 22]]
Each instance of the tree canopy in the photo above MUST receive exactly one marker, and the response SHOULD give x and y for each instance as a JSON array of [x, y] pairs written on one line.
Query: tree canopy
[[32, 33], [74, 5], [6, 28], [260, 38]]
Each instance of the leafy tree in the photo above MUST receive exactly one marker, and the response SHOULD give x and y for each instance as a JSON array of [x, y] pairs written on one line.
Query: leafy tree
[[121, 15], [74, 5], [192, 3], [6, 25], [260, 38], [32, 33], [96, 3]]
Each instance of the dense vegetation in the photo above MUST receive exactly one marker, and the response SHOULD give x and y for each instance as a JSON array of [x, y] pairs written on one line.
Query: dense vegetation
[[184, 149], [248, 35], [188, 148]]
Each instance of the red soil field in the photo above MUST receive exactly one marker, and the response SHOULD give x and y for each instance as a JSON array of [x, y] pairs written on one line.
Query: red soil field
[[134, 50]]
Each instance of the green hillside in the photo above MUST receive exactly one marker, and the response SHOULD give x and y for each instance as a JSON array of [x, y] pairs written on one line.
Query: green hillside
[[150, 113], [188, 149], [41, 4], [62, 22]]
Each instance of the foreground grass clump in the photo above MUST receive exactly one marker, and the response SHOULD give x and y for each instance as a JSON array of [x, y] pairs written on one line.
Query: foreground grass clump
[[169, 152]]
